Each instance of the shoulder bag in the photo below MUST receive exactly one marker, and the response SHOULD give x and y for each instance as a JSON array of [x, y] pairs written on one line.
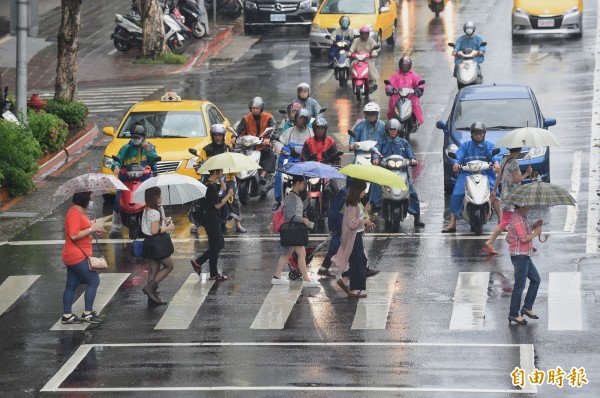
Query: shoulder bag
[[293, 234], [95, 263], [157, 247]]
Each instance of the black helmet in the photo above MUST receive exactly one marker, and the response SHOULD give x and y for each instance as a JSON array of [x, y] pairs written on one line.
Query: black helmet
[[479, 127], [217, 129], [405, 62], [320, 122], [138, 129], [304, 114], [344, 22], [469, 28], [257, 102]]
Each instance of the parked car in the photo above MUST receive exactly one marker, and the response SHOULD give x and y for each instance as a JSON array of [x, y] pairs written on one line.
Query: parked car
[[379, 15], [539, 16], [267, 13], [502, 108], [173, 125]]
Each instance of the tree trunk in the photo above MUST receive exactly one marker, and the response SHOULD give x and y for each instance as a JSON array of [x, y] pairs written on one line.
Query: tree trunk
[[154, 31], [65, 88]]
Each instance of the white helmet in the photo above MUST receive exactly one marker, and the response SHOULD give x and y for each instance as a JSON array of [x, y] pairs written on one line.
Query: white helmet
[[372, 107], [303, 87]]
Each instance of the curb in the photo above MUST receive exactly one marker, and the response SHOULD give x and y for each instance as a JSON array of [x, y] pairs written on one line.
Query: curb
[[201, 54]]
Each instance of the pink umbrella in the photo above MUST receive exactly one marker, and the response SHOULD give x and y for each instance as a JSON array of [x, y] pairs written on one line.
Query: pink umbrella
[[91, 182]]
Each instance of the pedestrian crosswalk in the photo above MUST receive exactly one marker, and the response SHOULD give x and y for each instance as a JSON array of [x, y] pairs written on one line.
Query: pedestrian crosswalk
[[471, 296]]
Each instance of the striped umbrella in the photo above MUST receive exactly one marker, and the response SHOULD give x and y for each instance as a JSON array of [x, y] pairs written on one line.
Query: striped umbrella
[[540, 193]]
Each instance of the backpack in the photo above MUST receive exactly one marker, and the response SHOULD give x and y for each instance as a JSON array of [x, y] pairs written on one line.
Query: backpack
[[278, 220], [197, 211], [335, 217]]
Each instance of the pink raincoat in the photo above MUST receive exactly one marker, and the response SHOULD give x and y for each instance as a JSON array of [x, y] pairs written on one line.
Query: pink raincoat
[[406, 80], [351, 223]]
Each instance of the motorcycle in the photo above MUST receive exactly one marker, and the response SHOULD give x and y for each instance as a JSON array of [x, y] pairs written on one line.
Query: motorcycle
[[193, 17], [319, 195], [394, 205], [477, 204], [131, 212], [180, 20], [6, 108], [248, 181], [360, 75], [341, 61], [286, 154], [232, 9], [403, 110], [437, 6], [367, 147], [469, 70]]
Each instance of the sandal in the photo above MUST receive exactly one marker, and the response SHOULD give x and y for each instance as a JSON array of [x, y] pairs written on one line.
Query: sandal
[[218, 277], [487, 250], [360, 294], [448, 230]]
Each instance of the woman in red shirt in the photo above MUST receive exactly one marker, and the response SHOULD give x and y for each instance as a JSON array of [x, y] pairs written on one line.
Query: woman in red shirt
[[77, 248]]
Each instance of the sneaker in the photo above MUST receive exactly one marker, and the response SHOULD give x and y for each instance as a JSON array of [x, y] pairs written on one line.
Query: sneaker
[[92, 317], [311, 283], [325, 273], [372, 272], [282, 280], [73, 319], [276, 206]]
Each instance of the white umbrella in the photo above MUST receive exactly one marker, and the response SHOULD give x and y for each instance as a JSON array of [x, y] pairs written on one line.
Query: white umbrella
[[528, 136], [176, 189]]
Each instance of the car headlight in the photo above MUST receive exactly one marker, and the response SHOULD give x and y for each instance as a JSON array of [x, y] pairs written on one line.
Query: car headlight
[[191, 162], [251, 6], [107, 162], [304, 5], [536, 152], [572, 10], [520, 11], [316, 28], [450, 148]]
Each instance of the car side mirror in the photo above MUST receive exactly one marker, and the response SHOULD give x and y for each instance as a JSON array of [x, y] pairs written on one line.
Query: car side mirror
[[441, 125], [495, 151], [109, 131], [193, 151], [452, 155], [549, 121]]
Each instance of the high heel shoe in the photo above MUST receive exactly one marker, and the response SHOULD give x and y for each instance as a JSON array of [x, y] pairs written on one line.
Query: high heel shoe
[[515, 320], [529, 314]]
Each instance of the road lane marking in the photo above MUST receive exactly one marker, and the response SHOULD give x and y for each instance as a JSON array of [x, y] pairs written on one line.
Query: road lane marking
[[527, 363], [68, 368], [278, 305], [470, 298], [593, 210], [186, 303], [575, 184], [564, 301], [372, 311], [109, 284], [13, 287], [325, 78]]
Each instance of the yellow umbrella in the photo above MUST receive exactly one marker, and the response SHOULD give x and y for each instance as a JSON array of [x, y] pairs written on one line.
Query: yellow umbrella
[[229, 162], [376, 174]]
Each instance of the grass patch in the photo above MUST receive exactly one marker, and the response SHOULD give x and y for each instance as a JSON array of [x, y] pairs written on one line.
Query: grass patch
[[169, 58]]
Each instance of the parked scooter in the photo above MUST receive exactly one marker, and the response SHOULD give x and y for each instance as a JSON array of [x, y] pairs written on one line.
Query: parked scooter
[[360, 75], [131, 212], [477, 204], [319, 195], [249, 181], [193, 17], [394, 204], [469, 70], [180, 20], [231, 9], [437, 6], [403, 110], [6, 108], [341, 61]]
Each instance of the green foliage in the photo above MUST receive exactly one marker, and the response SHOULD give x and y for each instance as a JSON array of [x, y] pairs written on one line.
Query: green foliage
[[73, 113], [168, 58], [18, 158], [49, 130]]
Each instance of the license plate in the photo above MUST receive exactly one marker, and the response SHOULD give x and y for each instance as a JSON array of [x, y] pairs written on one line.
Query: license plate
[[546, 23], [277, 17]]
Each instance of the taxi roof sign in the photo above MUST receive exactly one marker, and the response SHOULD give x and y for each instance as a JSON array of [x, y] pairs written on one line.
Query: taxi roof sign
[[170, 96]]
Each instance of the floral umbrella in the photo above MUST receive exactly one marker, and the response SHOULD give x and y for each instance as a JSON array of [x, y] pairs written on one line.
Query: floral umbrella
[[91, 182]]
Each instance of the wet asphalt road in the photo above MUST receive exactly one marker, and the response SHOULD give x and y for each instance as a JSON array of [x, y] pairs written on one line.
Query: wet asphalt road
[[419, 352]]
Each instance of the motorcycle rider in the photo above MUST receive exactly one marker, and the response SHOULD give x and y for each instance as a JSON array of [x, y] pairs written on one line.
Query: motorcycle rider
[[368, 129], [468, 40], [320, 148], [303, 91], [295, 135], [136, 151], [292, 110], [255, 123], [476, 149], [365, 44], [217, 147], [393, 144], [406, 78], [343, 33]]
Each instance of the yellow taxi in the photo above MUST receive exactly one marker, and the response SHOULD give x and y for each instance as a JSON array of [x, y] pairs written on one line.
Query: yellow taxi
[[547, 16], [173, 126], [379, 15]]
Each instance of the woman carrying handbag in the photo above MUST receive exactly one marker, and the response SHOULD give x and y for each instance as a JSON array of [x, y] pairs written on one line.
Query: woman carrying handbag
[[293, 213]]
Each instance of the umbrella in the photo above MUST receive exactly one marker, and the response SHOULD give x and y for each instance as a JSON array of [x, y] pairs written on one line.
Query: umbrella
[[91, 182], [229, 162], [312, 170], [176, 189], [376, 174], [528, 136], [540, 193]]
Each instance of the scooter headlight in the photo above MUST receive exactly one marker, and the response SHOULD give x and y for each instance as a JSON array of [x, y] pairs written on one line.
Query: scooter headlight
[[450, 148], [313, 181], [191, 162], [107, 162], [251, 5], [536, 153]]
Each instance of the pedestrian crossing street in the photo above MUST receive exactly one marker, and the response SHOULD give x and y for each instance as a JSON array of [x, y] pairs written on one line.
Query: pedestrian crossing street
[[564, 304]]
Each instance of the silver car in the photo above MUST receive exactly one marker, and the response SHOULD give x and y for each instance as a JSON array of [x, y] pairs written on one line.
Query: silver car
[[568, 22]]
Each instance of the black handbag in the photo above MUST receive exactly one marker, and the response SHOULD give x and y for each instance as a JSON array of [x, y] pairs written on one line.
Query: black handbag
[[157, 247], [293, 234]]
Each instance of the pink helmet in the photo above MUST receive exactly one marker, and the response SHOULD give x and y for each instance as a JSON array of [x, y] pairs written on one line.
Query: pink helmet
[[365, 29]]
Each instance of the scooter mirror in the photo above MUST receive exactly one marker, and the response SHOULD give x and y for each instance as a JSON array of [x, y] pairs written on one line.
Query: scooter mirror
[[483, 43], [268, 131], [376, 48], [322, 110], [495, 151], [283, 111], [116, 158], [193, 151], [232, 130], [157, 159], [352, 134], [452, 155], [451, 45], [420, 82], [387, 82]]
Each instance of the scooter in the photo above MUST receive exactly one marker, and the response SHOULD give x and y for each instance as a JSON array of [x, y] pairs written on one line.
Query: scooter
[[193, 17], [469, 70], [248, 181], [477, 204], [131, 212], [363, 158], [180, 20], [319, 195], [341, 61], [232, 9], [286, 154], [437, 6], [394, 204], [6, 108], [360, 75], [403, 110]]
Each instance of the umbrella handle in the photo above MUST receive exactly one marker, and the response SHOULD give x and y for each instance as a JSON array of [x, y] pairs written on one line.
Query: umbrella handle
[[544, 239]]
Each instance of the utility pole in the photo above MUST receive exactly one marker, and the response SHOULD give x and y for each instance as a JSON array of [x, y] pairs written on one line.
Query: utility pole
[[22, 59]]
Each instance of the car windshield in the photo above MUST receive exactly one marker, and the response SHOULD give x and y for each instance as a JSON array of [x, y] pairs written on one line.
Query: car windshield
[[348, 7], [496, 114], [166, 124]]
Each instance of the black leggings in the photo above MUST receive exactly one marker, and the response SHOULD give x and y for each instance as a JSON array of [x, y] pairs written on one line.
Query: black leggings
[[215, 244]]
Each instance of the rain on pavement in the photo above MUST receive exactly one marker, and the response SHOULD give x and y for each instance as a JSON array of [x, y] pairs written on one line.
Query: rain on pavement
[[434, 323]]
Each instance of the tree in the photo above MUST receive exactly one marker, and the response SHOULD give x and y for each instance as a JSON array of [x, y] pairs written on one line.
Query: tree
[[154, 31], [65, 87]]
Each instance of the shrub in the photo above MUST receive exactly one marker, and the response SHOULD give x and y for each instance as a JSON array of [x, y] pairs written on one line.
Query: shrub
[[167, 58], [18, 158], [73, 113], [49, 130]]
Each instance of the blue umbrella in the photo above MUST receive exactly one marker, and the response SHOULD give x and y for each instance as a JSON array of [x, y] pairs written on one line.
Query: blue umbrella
[[312, 170]]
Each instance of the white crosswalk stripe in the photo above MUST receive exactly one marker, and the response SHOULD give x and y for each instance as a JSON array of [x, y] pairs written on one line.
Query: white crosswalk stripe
[[564, 301], [13, 287], [278, 305], [372, 312], [470, 297]]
